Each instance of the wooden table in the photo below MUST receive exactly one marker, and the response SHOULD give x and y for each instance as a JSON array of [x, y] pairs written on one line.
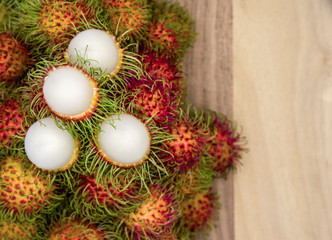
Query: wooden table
[[268, 65]]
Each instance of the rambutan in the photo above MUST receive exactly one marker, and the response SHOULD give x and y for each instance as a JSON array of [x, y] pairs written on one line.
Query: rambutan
[[197, 180], [154, 99], [20, 227], [155, 217], [159, 66], [74, 228], [11, 120], [14, 58], [24, 190], [186, 147], [172, 30], [45, 24], [226, 145], [132, 17], [198, 212], [106, 197]]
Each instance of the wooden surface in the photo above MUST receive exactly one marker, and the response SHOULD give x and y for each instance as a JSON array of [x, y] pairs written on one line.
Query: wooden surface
[[208, 69], [283, 98]]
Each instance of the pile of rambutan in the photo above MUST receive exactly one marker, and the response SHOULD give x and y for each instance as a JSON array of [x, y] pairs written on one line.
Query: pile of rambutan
[[97, 138]]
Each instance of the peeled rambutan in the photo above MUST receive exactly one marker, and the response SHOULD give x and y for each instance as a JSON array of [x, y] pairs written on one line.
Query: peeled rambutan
[[226, 145], [11, 120], [172, 30], [50, 147], [133, 16], [23, 190], [155, 217], [198, 212], [14, 58]]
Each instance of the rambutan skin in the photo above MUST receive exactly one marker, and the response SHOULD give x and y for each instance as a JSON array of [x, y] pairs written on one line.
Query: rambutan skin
[[199, 211], [171, 31], [48, 26], [13, 230], [155, 218], [226, 146], [14, 58], [154, 99], [11, 120], [108, 193], [21, 189], [74, 229], [187, 147], [133, 16]]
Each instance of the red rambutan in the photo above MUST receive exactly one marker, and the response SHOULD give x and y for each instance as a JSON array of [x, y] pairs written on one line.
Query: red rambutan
[[226, 146], [11, 120], [154, 99], [172, 30], [14, 58], [186, 148], [155, 217], [199, 211]]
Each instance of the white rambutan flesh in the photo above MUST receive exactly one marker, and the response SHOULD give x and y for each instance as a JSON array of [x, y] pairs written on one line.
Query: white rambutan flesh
[[48, 146], [68, 91], [127, 143], [97, 47]]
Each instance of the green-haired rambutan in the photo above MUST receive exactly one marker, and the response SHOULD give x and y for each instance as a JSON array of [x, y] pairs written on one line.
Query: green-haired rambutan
[[14, 230], [172, 30], [198, 212], [154, 98], [197, 180], [133, 17], [106, 197], [14, 58], [24, 190], [11, 120], [226, 145], [156, 216], [20, 227], [45, 24], [74, 228], [186, 149]]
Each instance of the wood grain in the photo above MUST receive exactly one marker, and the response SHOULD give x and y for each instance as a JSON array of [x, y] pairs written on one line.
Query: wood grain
[[283, 98], [208, 69]]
